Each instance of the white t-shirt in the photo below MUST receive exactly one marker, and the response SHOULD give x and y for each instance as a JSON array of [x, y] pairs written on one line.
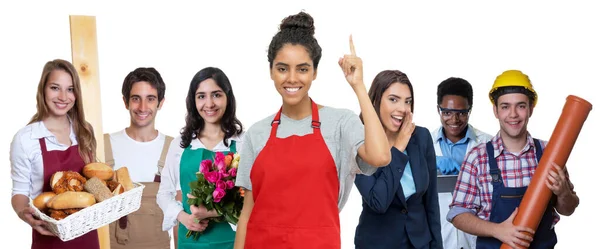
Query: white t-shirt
[[140, 158]]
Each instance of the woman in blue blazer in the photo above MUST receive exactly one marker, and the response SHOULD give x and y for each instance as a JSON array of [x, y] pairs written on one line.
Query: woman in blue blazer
[[400, 201]]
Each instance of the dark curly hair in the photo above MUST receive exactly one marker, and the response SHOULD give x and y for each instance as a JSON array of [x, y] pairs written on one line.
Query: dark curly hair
[[194, 123], [455, 86], [296, 29]]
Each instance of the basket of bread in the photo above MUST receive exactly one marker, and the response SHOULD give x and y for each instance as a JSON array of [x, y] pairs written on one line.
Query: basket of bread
[[80, 203]]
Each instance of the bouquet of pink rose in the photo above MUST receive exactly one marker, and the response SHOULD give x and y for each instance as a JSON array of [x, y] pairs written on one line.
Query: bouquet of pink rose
[[215, 189]]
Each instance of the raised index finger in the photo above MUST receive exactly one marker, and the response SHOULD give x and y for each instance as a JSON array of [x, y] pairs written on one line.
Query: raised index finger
[[352, 51]]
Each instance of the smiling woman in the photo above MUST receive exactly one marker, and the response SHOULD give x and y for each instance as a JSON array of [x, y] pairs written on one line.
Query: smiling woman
[[56, 139], [211, 127], [314, 143], [400, 201]]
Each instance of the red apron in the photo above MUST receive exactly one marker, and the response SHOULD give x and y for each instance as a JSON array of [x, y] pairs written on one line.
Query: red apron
[[62, 161], [295, 187]]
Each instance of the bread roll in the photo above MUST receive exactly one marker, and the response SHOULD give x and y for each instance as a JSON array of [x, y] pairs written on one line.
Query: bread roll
[[40, 201], [96, 187], [62, 181], [71, 199], [124, 179], [118, 190], [100, 170]]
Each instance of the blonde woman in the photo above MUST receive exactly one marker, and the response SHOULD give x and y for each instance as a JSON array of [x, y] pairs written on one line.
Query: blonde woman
[[56, 139]]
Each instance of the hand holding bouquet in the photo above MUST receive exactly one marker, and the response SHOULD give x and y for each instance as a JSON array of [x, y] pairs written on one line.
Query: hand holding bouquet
[[215, 189]]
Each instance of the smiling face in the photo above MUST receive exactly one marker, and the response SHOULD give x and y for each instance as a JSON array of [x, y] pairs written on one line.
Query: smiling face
[[395, 104], [454, 115], [513, 111], [143, 104], [211, 101], [59, 94], [293, 73]]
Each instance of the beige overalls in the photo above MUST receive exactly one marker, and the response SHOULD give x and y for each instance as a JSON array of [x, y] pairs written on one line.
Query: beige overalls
[[141, 229]]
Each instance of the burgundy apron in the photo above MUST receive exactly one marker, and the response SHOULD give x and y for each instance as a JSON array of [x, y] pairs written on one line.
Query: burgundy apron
[[62, 161]]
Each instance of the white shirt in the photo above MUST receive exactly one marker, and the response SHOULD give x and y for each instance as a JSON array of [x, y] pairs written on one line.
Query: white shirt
[[169, 181], [140, 158], [27, 166]]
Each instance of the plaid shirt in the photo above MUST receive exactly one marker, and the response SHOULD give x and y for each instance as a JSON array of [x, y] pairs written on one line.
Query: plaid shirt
[[474, 188]]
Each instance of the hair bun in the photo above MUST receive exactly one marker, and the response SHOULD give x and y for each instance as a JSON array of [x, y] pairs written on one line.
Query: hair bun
[[301, 20]]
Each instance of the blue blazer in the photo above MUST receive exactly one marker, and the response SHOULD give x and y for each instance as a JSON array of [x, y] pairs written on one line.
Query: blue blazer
[[388, 220]]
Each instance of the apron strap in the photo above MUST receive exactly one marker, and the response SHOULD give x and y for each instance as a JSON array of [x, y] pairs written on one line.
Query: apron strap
[[315, 124], [232, 147], [538, 149], [494, 170], [108, 153], [43, 144], [163, 155]]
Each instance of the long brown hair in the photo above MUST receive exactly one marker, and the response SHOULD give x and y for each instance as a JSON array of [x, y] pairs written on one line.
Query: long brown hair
[[82, 129]]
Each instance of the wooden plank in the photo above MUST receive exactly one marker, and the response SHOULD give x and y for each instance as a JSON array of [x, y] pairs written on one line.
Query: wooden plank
[[84, 53]]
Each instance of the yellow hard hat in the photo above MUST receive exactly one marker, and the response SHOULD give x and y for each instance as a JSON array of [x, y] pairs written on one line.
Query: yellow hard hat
[[513, 78]]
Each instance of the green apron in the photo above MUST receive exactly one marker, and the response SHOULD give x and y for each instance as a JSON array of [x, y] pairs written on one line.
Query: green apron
[[217, 235]]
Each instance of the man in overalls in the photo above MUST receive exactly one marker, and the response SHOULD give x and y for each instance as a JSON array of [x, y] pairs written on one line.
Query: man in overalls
[[142, 149], [495, 175]]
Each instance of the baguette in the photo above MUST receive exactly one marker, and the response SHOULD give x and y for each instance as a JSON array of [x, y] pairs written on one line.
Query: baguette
[[124, 179], [71, 199]]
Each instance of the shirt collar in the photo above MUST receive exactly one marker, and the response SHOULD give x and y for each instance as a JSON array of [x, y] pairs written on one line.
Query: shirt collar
[[499, 145], [471, 133], [197, 144], [39, 130]]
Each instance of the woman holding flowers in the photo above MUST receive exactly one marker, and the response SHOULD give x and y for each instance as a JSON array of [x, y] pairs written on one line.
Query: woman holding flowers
[[211, 127], [298, 166]]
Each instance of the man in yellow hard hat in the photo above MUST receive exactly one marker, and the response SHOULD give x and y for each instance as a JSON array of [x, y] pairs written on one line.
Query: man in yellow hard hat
[[494, 175]]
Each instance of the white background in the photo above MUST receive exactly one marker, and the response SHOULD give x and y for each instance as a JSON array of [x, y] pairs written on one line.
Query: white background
[[555, 44]]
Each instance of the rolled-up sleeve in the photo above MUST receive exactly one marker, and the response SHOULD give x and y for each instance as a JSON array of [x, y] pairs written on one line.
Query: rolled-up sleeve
[[466, 197], [20, 168], [169, 184]]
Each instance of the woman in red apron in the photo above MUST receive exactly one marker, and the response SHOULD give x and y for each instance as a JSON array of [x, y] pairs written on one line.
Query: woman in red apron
[[296, 165], [56, 139]]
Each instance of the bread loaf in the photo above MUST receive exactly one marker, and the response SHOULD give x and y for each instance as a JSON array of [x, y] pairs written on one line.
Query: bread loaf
[[71, 199], [40, 201], [100, 170], [124, 179], [96, 187]]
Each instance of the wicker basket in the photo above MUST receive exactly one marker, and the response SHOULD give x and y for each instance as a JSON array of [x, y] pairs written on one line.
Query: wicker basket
[[95, 216]]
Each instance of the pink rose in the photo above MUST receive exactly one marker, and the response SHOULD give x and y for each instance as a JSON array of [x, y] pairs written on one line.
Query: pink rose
[[212, 176], [220, 184], [224, 174], [219, 158], [229, 184], [232, 172], [218, 194], [205, 166], [221, 166]]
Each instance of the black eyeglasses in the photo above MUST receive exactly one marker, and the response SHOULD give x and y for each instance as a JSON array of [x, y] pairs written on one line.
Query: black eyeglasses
[[449, 113]]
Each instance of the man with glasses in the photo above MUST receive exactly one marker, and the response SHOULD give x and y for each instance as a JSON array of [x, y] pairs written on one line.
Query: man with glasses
[[452, 140]]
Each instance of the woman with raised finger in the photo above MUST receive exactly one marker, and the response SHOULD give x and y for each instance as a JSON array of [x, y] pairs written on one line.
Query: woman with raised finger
[[297, 166]]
